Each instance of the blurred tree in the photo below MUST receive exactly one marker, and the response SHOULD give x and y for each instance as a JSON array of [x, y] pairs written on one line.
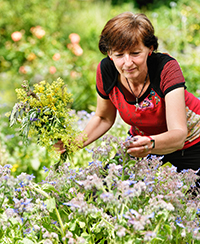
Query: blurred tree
[[149, 4]]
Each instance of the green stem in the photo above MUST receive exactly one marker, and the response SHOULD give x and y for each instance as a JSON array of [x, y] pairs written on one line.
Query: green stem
[[60, 221], [124, 156], [176, 236], [122, 211], [108, 223], [158, 226], [56, 210]]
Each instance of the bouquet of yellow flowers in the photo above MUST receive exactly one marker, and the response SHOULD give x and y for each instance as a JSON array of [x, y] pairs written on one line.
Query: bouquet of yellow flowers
[[44, 113]]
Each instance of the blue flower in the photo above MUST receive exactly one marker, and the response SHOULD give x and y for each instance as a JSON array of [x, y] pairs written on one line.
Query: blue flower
[[150, 189], [88, 150], [17, 189], [30, 177], [10, 136], [7, 166], [71, 205], [179, 222], [45, 169], [34, 119], [22, 184], [28, 200], [198, 211], [131, 182]]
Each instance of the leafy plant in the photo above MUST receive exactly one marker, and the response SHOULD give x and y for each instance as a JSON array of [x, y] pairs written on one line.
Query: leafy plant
[[116, 200], [44, 113]]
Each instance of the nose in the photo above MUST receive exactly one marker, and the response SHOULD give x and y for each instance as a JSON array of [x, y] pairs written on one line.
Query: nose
[[127, 59]]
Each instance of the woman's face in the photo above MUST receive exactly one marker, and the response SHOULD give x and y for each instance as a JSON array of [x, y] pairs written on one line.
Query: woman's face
[[133, 63]]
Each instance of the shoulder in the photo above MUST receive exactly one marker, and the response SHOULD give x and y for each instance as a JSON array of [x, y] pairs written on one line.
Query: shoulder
[[157, 61], [109, 74]]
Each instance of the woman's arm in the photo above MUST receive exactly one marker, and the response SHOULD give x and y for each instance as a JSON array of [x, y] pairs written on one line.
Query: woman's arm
[[101, 122], [176, 134]]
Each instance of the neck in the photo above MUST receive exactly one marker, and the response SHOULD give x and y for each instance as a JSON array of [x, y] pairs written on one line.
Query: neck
[[140, 92], [139, 80]]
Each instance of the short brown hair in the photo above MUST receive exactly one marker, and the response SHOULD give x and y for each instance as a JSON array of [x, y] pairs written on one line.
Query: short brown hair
[[126, 30]]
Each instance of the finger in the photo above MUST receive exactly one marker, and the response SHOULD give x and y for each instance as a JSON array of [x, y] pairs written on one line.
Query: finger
[[58, 144], [146, 148], [141, 151], [63, 150]]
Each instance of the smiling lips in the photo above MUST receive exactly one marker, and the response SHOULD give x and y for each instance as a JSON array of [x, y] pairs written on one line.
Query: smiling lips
[[129, 70]]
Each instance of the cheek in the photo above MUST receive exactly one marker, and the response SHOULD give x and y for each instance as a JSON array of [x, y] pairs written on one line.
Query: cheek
[[141, 62]]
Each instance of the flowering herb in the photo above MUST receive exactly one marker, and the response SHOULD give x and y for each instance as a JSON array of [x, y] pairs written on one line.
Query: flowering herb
[[130, 201], [44, 113]]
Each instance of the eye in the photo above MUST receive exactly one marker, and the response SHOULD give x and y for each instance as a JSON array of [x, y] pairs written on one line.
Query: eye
[[119, 54], [135, 53]]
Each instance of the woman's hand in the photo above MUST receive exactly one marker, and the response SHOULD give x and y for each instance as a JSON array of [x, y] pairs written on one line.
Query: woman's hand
[[59, 147], [139, 146]]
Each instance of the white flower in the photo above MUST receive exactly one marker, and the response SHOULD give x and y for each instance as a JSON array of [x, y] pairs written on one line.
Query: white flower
[[121, 232]]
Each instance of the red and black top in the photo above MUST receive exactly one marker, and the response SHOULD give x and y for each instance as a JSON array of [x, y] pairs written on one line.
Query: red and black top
[[149, 118]]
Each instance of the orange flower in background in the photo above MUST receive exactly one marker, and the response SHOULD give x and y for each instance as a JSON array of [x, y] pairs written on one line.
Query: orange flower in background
[[52, 70], [77, 50], [56, 56], [22, 70], [75, 74], [16, 36], [37, 31], [31, 57], [74, 45], [74, 38]]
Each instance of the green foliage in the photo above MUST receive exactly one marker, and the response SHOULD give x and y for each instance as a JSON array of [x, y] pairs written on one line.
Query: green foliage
[[31, 58], [131, 201], [177, 28]]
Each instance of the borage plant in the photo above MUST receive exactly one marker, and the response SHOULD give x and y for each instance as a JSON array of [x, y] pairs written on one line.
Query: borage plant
[[128, 201], [44, 113]]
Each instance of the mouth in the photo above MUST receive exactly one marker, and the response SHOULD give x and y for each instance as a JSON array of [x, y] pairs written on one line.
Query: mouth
[[129, 70]]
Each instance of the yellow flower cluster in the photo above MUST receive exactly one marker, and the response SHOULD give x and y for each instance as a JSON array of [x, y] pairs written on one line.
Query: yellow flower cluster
[[21, 95], [47, 114]]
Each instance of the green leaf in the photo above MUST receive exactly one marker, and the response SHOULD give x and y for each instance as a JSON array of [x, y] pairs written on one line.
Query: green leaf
[[82, 224], [13, 115], [48, 188], [35, 163], [33, 115], [66, 226], [28, 241], [13, 221], [86, 236], [102, 241], [95, 215], [72, 226], [169, 229], [131, 163], [166, 164], [21, 112], [157, 239], [51, 204]]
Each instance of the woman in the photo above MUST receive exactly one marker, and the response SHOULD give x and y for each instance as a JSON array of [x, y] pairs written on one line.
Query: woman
[[148, 90]]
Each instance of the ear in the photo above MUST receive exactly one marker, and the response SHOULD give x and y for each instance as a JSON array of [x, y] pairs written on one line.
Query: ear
[[151, 48]]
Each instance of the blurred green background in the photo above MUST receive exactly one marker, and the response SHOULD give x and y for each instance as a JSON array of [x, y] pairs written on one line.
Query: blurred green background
[[35, 45]]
